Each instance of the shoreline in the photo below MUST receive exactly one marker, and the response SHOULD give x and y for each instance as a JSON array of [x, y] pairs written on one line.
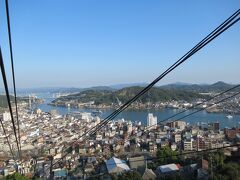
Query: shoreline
[[142, 109]]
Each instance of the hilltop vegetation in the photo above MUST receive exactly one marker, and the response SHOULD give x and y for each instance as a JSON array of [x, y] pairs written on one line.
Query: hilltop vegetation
[[108, 97], [3, 100], [216, 87]]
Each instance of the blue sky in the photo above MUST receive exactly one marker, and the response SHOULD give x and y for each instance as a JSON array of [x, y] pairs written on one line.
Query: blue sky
[[80, 43]]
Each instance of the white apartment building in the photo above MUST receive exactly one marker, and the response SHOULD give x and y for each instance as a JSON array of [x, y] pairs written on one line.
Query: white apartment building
[[151, 120]]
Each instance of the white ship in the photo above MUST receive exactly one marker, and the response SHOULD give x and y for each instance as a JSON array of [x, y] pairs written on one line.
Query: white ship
[[229, 116]]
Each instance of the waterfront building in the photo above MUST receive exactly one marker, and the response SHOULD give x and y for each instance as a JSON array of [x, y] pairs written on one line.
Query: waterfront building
[[86, 116], [53, 112], [151, 121], [215, 126], [37, 111]]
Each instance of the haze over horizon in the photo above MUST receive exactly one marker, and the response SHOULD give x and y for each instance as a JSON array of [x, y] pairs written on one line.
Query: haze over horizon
[[131, 84], [101, 43], [112, 86]]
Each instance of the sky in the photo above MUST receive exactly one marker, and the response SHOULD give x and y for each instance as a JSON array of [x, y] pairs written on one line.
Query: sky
[[82, 43]]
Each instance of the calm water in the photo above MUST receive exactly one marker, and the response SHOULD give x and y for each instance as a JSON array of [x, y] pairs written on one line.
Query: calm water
[[141, 115]]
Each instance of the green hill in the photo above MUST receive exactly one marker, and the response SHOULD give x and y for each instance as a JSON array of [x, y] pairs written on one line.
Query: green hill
[[109, 97], [216, 87], [3, 100]]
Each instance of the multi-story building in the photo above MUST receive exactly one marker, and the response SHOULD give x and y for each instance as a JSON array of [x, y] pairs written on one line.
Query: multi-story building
[[177, 137], [177, 124], [188, 145], [200, 143], [231, 133], [208, 143], [151, 120]]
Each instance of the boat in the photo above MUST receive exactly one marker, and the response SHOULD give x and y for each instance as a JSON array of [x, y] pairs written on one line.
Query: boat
[[97, 112], [229, 116]]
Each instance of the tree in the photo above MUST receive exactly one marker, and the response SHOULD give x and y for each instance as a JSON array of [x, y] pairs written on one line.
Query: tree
[[218, 158], [228, 171], [129, 175], [15, 176], [167, 155]]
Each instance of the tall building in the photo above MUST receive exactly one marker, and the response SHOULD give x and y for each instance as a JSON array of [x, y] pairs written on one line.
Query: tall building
[[215, 126], [151, 120]]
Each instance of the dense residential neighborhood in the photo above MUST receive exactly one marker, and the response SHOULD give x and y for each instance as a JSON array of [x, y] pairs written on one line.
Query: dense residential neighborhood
[[55, 146]]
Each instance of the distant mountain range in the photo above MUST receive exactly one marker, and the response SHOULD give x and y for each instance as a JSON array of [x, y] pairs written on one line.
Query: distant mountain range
[[74, 89], [108, 94], [177, 91], [121, 86], [216, 87]]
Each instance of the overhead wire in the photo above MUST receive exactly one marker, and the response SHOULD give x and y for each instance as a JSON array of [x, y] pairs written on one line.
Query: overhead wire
[[13, 71], [8, 98], [207, 107], [224, 26], [154, 159], [202, 103], [194, 112], [5, 134], [215, 33], [200, 109], [180, 154]]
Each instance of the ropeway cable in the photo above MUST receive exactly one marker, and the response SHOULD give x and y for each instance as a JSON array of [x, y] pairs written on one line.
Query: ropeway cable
[[5, 134], [223, 27], [215, 33], [8, 98], [13, 72], [194, 112]]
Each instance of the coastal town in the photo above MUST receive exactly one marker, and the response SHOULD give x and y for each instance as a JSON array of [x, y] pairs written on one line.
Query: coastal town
[[232, 106], [58, 146], [119, 90]]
